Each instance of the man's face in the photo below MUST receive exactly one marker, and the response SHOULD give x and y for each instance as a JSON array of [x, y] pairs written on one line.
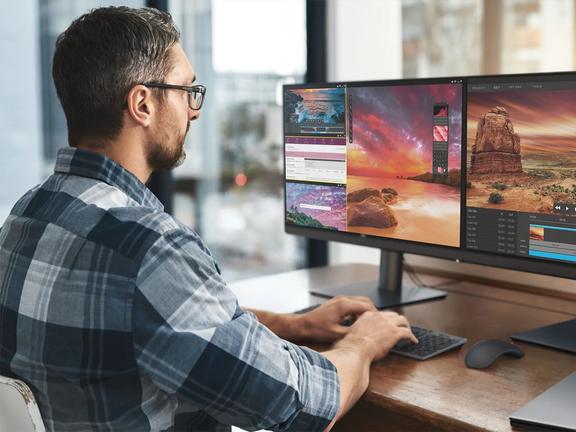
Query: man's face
[[165, 149]]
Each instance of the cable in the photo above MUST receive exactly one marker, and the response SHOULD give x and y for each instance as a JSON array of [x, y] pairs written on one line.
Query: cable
[[414, 276]]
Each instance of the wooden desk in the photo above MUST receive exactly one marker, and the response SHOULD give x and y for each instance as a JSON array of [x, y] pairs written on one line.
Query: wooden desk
[[441, 393]]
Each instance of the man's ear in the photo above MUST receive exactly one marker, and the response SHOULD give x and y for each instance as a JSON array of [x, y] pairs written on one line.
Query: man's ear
[[141, 105]]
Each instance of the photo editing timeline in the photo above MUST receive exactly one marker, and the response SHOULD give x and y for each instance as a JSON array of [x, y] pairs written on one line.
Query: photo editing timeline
[[521, 194]]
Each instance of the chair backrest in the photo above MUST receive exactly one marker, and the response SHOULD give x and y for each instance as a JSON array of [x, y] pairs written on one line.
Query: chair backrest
[[18, 408]]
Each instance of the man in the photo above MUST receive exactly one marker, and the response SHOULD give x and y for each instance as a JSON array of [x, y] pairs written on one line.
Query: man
[[115, 313]]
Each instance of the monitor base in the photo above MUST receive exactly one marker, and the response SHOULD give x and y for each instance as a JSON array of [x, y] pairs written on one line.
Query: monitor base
[[388, 290], [560, 336], [381, 298]]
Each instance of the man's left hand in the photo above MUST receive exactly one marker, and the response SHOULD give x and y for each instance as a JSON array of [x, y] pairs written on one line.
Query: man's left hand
[[331, 320]]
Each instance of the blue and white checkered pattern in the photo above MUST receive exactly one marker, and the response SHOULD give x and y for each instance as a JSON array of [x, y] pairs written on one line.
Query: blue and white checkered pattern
[[117, 317]]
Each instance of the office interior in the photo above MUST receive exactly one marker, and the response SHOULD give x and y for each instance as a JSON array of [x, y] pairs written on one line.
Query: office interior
[[231, 187]]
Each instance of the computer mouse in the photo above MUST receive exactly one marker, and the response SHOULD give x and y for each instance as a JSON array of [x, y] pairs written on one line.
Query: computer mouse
[[482, 354]]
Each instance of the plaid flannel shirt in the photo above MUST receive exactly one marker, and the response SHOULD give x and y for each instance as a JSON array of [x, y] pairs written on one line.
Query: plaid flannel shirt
[[117, 317]]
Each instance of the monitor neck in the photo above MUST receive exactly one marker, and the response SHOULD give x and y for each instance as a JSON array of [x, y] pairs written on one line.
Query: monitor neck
[[391, 271]]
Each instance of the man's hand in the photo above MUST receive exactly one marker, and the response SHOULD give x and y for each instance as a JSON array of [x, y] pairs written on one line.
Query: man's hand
[[325, 324], [331, 320], [376, 333]]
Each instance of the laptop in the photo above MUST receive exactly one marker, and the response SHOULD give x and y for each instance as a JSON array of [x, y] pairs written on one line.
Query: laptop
[[555, 409]]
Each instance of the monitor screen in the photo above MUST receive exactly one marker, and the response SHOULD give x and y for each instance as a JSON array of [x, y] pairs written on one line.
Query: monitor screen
[[379, 160], [521, 166]]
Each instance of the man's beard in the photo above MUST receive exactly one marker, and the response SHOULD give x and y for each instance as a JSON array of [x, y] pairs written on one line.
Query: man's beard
[[161, 157]]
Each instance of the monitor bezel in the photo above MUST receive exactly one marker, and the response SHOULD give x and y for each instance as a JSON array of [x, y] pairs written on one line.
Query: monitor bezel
[[460, 253]]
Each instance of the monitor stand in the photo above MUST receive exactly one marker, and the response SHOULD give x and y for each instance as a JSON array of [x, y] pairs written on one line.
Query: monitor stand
[[388, 291], [561, 336]]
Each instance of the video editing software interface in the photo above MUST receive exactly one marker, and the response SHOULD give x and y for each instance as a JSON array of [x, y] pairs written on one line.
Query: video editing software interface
[[385, 160], [380, 160], [521, 166]]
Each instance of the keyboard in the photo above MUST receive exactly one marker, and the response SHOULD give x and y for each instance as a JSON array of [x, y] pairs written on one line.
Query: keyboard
[[431, 343]]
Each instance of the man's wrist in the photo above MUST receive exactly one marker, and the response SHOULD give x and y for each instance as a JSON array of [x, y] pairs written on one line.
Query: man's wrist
[[295, 327], [291, 327], [360, 345]]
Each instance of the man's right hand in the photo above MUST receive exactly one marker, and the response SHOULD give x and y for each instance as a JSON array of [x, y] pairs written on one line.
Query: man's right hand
[[376, 333]]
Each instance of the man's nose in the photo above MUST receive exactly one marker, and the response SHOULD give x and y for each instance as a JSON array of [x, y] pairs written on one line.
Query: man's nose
[[193, 114]]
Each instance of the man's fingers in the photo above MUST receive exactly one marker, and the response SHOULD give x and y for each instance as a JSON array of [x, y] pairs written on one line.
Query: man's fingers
[[401, 321], [363, 299], [355, 307], [390, 313], [406, 333], [366, 300]]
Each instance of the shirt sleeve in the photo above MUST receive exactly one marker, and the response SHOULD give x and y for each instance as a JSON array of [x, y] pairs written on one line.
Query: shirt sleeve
[[191, 338]]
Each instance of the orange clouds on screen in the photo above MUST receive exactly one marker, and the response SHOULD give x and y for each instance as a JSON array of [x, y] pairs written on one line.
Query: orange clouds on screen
[[382, 151]]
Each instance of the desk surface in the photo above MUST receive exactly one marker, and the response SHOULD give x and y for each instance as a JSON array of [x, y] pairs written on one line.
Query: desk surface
[[441, 393]]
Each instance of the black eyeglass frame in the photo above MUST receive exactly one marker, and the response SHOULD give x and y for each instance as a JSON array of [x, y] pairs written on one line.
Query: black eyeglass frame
[[198, 89]]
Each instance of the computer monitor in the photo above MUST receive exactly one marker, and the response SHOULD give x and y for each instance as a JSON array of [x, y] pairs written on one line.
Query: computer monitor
[[389, 164], [379, 161], [521, 173]]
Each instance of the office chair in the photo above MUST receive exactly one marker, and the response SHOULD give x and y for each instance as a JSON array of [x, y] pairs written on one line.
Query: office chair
[[18, 408]]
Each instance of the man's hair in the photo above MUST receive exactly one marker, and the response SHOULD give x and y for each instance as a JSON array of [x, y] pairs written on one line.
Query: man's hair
[[100, 57]]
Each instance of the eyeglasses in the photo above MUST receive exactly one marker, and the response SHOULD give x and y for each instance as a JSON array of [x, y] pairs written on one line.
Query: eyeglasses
[[195, 93]]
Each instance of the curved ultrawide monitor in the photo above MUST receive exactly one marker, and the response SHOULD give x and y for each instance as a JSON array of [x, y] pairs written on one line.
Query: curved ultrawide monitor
[[478, 169]]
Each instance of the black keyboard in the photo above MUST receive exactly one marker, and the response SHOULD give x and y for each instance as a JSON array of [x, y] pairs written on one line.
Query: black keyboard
[[430, 344]]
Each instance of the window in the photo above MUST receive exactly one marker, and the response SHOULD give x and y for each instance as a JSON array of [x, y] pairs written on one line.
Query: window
[[31, 118], [55, 17], [230, 189], [470, 37], [537, 36], [20, 106], [441, 37]]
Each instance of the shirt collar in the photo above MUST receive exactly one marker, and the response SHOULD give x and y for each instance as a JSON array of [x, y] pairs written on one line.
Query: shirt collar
[[89, 164]]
